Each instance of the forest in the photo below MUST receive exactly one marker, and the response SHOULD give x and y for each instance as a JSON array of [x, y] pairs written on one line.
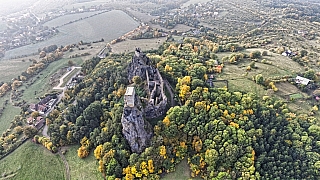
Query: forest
[[223, 134]]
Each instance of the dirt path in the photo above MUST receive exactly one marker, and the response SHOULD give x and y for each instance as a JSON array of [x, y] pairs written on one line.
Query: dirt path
[[65, 164]]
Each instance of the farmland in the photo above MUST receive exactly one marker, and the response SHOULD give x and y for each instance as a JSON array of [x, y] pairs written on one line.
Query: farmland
[[67, 18], [108, 26]]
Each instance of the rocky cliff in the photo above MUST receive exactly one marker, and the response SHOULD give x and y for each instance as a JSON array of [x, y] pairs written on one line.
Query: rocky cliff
[[136, 130], [138, 66]]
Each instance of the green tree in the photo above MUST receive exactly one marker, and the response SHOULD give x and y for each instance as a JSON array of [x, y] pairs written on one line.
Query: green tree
[[30, 131]]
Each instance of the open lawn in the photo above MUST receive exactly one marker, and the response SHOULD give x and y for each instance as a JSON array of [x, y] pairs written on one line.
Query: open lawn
[[82, 169], [12, 68], [182, 172], [7, 116], [130, 45], [32, 161]]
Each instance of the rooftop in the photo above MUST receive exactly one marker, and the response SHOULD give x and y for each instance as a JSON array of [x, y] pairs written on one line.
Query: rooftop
[[130, 91], [302, 80]]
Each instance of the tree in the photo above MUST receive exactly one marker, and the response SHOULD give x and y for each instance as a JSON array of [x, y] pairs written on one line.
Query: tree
[[30, 131], [259, 79], [34, 114], [71, 63], [255, 55], [310, 74], [136, 80], [303, 53]]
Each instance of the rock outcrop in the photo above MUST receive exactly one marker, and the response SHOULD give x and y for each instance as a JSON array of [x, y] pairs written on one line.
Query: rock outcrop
[[138, 66], [136, 130]]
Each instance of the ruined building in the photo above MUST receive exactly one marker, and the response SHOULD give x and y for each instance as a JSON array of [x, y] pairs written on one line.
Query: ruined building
[[136, 129]]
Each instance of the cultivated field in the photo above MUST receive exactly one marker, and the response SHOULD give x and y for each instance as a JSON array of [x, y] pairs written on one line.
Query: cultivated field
[[82, 169], [109, 25], [31, 161], [130, 45], [67, 18]]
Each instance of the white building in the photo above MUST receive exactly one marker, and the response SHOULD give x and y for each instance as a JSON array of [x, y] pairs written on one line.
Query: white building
[[302, 80], [129, 97]]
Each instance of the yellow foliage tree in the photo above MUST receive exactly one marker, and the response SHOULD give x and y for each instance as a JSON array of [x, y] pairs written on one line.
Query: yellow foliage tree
[[166, 121], [163, 151], [83, 152], [197, 143], [234, 124], [98, 152], [150, 166]]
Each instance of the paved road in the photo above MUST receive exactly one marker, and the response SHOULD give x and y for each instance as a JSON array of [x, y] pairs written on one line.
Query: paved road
[[61, 79]]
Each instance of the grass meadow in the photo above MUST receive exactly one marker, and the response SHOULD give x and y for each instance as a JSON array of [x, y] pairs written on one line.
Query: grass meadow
[[7, 116], [82, 169], [182, 172], [12, 68], [32, 161]]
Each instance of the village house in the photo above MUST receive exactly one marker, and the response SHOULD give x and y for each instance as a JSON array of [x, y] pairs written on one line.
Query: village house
[[36, 122], [44, 105]]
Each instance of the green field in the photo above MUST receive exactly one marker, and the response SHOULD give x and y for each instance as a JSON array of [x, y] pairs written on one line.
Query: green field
[[32, 162], [182, 172], [12, 68], [109, 25], [82, 169], [296, 96], [7, 117]]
